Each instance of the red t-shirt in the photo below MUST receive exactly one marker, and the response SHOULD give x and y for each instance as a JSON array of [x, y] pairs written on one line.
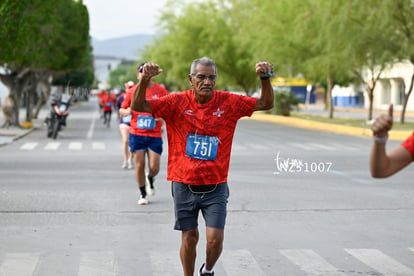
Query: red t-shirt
[[108, 101], [409, 145], [200, 136], [144, 124]]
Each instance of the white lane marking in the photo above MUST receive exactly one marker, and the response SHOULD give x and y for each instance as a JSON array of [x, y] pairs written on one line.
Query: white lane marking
[[238, 147], [321, 146], [89, 135], [75, 146], [380, 262], [97, 263], [19, 264], [341, 147], [98, 145], [28, 146], [240, 263], [300, 146], [353, 178], [258, 147], [310, 262], [52, 146]]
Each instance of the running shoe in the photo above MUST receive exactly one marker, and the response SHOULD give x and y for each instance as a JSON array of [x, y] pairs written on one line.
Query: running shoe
[[129, 165], [142, 201], [124, 165], [200, 273], [149, 187]]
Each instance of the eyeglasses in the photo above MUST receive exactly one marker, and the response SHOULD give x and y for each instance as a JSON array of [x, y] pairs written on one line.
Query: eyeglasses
[[201, 77]]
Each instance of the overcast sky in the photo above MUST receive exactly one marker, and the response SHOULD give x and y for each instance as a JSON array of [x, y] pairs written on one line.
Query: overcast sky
[[118, 18]]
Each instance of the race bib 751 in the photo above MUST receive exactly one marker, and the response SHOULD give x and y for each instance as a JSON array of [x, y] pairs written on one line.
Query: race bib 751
[[202, 147]]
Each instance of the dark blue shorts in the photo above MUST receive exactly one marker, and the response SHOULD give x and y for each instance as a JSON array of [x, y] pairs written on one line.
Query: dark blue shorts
[[140, 143], [187, 204]]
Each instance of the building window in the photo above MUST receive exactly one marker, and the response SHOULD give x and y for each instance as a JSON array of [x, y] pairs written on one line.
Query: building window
[[401, 92], [386, 92]]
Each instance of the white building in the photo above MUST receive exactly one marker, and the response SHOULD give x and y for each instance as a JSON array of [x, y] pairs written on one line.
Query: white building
[[4, 90], [392, 87], [103, 66]]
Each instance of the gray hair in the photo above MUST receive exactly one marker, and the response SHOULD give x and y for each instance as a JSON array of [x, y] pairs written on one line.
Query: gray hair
[[204, 61]]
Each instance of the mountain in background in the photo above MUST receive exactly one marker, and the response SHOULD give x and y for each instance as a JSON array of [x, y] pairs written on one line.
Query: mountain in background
[[128, 47]]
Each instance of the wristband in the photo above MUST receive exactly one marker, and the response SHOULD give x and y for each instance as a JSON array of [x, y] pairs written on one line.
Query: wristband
[[264, 78], [380, 140]]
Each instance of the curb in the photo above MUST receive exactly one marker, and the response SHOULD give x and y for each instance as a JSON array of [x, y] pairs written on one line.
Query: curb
[[13, 137], [308, 124]]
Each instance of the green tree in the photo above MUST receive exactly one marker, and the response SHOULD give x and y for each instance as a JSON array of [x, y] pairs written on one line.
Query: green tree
[[186, 37], [372, 49], [40, 38], [122, 74], [332, 40], [401, 30]]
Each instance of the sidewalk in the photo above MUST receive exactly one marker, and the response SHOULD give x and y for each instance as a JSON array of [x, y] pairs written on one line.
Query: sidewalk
[[352, 112], [10, 134]]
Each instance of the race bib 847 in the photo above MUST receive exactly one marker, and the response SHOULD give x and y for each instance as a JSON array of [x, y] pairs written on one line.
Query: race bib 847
[[202, 147], [145, 122]]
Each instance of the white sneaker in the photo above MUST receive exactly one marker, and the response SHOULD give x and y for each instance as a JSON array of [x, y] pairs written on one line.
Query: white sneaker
[[142, 201], [148, 183], [124, 165], [129, 165]]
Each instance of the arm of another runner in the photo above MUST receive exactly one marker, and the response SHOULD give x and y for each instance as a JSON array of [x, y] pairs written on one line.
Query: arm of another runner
[[123, 112], [384, 164], [139, 102], [265, 102], [125, 109]]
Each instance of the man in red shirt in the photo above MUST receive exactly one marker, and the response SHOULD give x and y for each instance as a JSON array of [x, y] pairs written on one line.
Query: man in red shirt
[[145, 137], [385, 164], [108, 101], [200, 127]]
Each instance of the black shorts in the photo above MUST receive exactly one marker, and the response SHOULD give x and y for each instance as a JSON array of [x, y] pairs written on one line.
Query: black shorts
[[187, 204]]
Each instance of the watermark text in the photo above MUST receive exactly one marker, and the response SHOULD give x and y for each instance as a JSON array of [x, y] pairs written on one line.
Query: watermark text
[[293, 165]]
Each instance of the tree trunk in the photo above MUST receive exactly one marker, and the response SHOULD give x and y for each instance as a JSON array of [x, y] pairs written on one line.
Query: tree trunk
[[43, 89], [407, 96], [330, 83], [371, 99], [17, 82]]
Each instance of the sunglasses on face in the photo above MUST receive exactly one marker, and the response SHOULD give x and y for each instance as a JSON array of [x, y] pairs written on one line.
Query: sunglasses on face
[[201, 77]]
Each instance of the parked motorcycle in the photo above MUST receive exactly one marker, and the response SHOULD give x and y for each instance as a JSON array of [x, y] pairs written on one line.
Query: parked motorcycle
[[57, 116]]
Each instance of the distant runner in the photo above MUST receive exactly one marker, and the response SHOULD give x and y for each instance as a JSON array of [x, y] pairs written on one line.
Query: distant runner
[[145, 137]]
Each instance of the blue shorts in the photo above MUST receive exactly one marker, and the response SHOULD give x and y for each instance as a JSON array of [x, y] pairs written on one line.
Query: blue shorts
[[187, 204], [140, 143]]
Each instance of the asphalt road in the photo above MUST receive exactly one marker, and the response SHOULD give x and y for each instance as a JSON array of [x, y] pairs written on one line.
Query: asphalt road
[[301, 203]]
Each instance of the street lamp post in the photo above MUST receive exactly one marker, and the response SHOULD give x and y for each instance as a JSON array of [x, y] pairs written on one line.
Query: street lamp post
[[308, 92]]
